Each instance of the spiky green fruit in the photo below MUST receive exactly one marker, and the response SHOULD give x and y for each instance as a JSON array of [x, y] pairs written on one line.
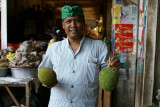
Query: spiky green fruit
[[47, 76], [108, 78]]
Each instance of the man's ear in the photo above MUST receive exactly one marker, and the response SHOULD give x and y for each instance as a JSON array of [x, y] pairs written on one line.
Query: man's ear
[[62, 24]]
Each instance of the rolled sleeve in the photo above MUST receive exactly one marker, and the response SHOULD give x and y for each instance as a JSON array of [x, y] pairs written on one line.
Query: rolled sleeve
[[104, 55], [46, 62]]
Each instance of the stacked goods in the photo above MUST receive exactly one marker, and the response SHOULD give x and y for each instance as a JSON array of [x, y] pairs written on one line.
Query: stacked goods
[[25, 61], [10, 56], [26, 56], [47, 76], [3, 63], [3, 57]]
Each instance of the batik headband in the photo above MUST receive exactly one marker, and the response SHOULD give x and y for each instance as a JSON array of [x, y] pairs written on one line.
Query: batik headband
[[68, 11]]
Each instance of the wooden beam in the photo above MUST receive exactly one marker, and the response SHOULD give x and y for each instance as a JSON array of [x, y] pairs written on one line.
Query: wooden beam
[[100, 97], [82, 3], [89, 9], [28, 95], [157, 73], [107, 99], [149, 59]]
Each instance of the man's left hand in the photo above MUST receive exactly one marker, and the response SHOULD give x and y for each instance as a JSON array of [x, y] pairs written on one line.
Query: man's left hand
[[115, 63]]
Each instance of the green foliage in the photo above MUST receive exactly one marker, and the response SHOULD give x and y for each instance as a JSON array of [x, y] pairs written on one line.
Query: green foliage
[[108, 42], [153, 105]]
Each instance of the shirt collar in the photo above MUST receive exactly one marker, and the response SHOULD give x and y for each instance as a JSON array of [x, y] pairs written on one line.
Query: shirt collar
[[81, 42]]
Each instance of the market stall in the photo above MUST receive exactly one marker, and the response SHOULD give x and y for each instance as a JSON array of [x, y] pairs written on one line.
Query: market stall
[[27, 83], [18, 68]]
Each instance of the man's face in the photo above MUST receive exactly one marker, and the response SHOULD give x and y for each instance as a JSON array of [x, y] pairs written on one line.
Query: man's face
[[74, 27]]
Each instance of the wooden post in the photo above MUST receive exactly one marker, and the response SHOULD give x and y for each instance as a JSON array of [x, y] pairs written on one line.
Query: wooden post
[[107, 99], [157, 66], [28, 95], [149, 61], [3, 24], [144, 92], [107, 5], [100, 97]]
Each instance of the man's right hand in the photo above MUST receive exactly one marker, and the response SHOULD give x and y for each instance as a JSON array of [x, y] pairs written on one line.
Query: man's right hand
[[50, 85]]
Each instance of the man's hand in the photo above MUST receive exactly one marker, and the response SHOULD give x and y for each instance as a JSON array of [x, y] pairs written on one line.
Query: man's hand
[[50, 85], [115, 63]]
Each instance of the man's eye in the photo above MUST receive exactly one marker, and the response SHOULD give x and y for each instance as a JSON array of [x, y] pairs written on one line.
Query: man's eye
[[68, 21], [78, 21]]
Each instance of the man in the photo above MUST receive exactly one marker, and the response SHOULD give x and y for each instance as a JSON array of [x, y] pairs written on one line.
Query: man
[[77, 61]]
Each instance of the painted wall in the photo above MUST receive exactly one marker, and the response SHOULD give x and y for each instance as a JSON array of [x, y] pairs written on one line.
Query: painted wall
[[125, 16]]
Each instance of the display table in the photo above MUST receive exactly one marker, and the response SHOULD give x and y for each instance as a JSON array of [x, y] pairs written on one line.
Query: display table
[[15, 82]]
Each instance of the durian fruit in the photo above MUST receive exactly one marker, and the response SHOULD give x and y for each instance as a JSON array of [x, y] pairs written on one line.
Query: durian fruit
[[47, 76], [108, 78]]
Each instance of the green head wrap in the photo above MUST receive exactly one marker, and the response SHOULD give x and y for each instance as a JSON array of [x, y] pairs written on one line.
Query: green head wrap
[[68, 11]]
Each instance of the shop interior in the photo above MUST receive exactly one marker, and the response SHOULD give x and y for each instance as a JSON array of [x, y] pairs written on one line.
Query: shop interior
[[27, 19]]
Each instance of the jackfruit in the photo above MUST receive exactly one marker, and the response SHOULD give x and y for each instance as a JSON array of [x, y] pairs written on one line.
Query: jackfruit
[[47, 76], [108, 78]]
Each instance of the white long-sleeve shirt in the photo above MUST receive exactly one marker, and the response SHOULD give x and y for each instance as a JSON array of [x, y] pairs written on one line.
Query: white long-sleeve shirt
[[77, 73]]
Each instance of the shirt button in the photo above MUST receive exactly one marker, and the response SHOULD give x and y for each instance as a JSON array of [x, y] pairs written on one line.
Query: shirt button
[[70, 101], [74, 57], [73, 71], [72, 86]]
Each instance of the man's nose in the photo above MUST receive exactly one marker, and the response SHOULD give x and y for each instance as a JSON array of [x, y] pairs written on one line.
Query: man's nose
[[73, 23]]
